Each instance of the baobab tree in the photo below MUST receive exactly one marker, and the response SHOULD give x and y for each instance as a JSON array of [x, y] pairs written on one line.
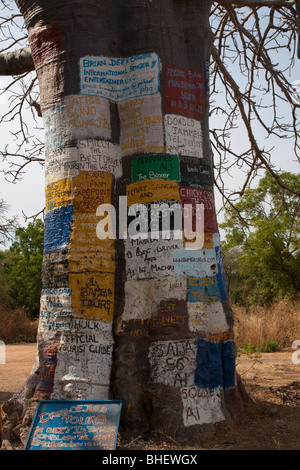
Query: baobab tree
[[129, 309]]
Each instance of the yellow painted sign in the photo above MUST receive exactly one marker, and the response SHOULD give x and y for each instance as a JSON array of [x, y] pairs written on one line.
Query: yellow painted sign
[[58, 194], [86, 251], [93, 295], [90, 189], [143, 192]]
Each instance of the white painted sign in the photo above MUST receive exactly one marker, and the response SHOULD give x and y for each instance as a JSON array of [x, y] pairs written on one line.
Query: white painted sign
[[87, 117], [173, 362], [183, 136], [150, 258], [100, 155], [141, 123], [201, 406], [79, 117], [55, 312], [143, 296], [84, 360], [207, 318], [120, 78], [2, 353], [60, 164]]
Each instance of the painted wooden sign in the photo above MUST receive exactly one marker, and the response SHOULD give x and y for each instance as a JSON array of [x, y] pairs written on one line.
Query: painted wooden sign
[[184, 91], [165, 167], [151, 191], [58, 194], [99, 155], [120, 78], [75, 425], [183, 136], [58, 225], [196, 196], [195, 263], [93, 295], [193, 171], [61, 164], [141, 125]]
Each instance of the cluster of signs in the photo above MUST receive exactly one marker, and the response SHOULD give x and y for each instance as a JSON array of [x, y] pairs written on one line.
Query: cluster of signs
[[160, 108]]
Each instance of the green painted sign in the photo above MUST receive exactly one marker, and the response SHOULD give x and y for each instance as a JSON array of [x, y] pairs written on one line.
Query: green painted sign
[[163, 167]]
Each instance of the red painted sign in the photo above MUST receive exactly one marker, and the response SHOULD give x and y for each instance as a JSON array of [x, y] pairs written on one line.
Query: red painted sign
[[193, 196], [184, 92]]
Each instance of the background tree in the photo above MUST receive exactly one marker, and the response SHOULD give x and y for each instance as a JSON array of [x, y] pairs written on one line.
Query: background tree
[[22, 267], [174, 346], [8, 224], [265, 226]]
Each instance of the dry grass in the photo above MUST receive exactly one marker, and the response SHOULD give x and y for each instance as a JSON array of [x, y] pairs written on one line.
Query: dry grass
[[255, 326], [258, 325], [15, 326]]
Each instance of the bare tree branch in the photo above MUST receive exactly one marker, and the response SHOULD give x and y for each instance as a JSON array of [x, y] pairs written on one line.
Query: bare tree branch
[[16, 62], [258, 3]]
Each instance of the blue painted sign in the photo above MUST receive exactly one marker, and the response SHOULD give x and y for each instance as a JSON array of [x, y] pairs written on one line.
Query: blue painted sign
[[221, 273], [203, 289], [215, 365], [58, 226], [195, 263], [75, 425]]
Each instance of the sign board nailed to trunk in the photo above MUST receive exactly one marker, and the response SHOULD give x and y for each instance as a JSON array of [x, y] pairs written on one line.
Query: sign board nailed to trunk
[[75, 425]]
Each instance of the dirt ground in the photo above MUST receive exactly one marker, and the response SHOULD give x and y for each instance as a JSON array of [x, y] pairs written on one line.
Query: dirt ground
[[273, 423]]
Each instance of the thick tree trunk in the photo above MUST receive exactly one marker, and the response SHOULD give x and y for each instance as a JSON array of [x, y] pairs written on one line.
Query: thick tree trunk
[[124, 98]]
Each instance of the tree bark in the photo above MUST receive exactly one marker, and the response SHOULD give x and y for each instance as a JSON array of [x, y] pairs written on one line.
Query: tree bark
[[124, 98]]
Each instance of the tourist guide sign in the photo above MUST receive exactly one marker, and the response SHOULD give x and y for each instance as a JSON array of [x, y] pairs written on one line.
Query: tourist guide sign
[[75, 425]]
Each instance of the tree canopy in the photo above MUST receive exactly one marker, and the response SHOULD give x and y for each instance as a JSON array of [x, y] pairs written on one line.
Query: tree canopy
[[262, 242], [20, 268]]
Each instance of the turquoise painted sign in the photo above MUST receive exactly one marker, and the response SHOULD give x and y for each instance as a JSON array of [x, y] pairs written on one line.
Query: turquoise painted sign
[[75, 425]]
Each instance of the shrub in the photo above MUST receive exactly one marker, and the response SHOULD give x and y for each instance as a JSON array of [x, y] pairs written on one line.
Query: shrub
[[16, 326]]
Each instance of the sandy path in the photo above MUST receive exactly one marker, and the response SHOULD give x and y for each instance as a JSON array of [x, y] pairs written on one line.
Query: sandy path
[[19, 362], [274, 381]]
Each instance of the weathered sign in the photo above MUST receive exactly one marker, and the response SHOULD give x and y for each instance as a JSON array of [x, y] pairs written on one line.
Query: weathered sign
[[120, 78], [75, 425], [164, 167]]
